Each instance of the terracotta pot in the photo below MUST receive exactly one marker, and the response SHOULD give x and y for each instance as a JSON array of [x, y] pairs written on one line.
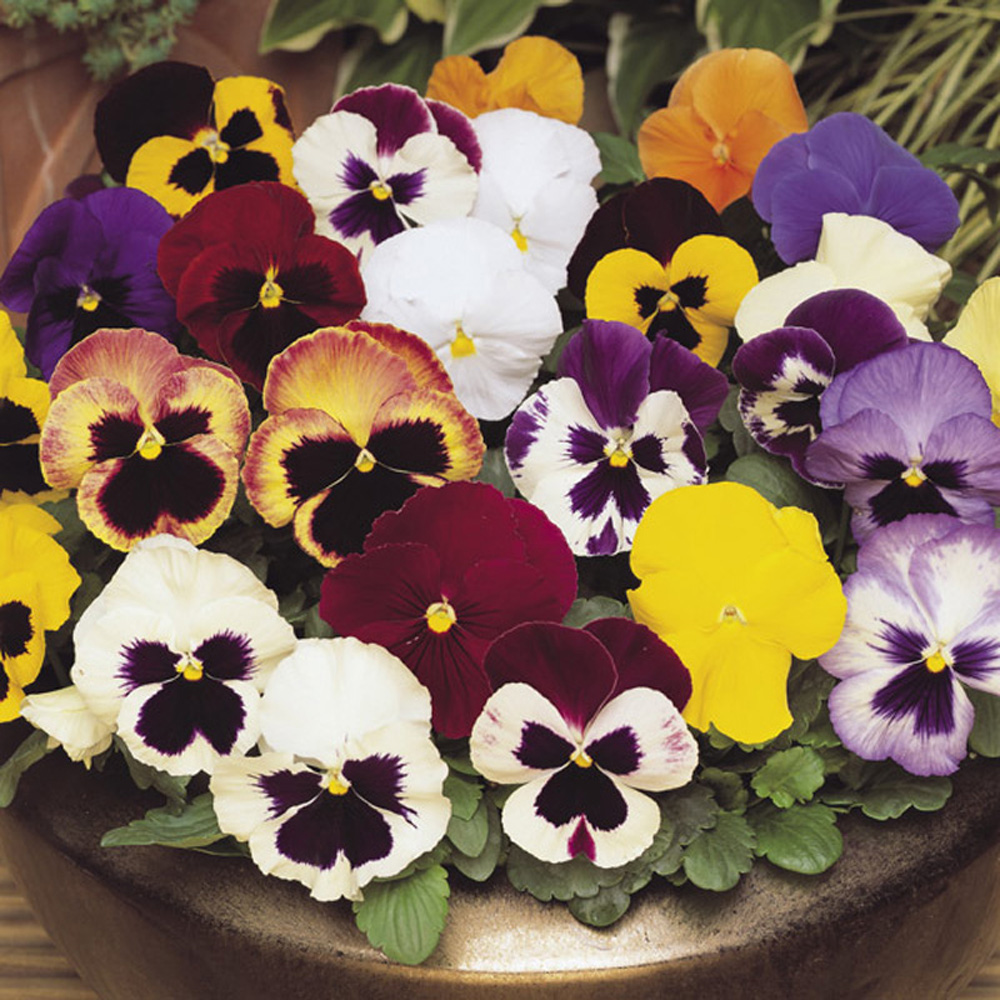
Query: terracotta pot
[[911, 910]]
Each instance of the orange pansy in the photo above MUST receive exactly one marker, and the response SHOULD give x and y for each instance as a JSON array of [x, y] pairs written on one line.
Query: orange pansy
[[725, 112], [534, 74]]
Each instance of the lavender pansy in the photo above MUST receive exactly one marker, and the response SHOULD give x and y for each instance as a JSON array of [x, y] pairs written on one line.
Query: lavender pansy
[[782, 374], [595, 447], [85, 264], [909, 432], [923, 624], [846, 163]]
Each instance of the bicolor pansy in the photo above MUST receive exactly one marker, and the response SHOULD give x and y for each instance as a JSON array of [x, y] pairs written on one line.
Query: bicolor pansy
[[350, 787], [923, 626], [384, 159], [175, 651], [150, 439], [585, 721], [173, 132], [622, 426], [359, 418]]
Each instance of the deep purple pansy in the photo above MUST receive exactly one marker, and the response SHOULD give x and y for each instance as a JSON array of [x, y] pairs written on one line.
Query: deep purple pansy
[[584, 721], [909, 432], [783, 374], [846, 163], [86, 264], [923, 624], [621, 426]]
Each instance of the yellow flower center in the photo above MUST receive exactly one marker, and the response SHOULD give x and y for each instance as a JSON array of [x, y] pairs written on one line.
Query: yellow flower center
[[190, 668], [732, 615], [271, 293], [462, 346], [335, 784], [88, 299], [208, 139], [720, 153], [151, 443], [380, 190], [936, 662], [668, 301], [618, 455], [440, 616], [519, 238], [581, 758], [914, 475], [365, 461]]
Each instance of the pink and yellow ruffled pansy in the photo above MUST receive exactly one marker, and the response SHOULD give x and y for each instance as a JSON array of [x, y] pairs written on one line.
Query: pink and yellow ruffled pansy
[[150, 439], [360, 417]]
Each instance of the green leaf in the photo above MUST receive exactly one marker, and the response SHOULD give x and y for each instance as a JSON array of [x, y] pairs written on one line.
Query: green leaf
[[985, 736], [619, 160], [482, 866], [562, 880], [465, 791], [718, 857], [790, 776], [408, 62], [496, 473], [727, 787], [193, 826], [298, 25], [174, 789], [470, 835], [602, 909], [31, 750], [644, 51], [883, 790], [809, 685], [474, 25], [690, 809], [404, 918], [951, 155], [585, 610], [802, 839]]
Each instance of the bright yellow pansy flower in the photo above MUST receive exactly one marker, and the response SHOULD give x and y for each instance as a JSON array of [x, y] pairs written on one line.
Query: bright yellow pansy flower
[[977, 336]]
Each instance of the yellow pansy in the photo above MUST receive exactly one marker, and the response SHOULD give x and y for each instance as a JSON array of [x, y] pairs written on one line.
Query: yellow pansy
[[977, 336]]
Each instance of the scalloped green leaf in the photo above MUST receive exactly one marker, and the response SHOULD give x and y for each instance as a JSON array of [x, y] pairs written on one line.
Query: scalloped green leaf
[[470, 835], [585, 610], [482, 866], [404, 918], [985, 736], [298, 25], [883, 790], [465, 791], [790, 776], [194, 826], [717, 857], [30, 751], [619, 159], [562, 880], [603, 909], [802, 838]]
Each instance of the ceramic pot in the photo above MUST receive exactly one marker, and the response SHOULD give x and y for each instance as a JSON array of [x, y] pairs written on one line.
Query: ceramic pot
[[912, 909]]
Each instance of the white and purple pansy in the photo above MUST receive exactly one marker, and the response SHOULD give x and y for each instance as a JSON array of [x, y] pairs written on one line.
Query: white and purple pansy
[[923, 624], [350, 785], [909, 432], [782, 374], [585, 721], [175, 652], [623, 425], [385, 159]]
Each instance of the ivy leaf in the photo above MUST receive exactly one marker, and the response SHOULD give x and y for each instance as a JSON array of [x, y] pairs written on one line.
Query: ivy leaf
[[30, 751], [482, 866], [474, 25], [883, 790], [585, 610], [790, 776], [298, 25], [719, 856], [194, 826], [404, 918], [619, 160], [802, 839], [985, 736], [470, 835], [602, 909], [465, 792]]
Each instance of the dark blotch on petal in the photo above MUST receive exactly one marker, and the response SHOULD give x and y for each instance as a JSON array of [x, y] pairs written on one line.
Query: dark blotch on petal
[[647, 300], [227, 656], [617, 751], [406, 187], [691, 291], [20, 470], [604, 482], [243, 165], [379, 781], [184, 424], [16, 422], [364, 213], [605, 543], [16, 630], [265, 333], [949, 475], [174, 715], [975, 658], [926, 696], [147, 662], [281, 116], [647, 451], [584, 445], [241, 128], [897, 499], [356, 174], [673, 323], [582, 843], [192, 172], [288, 789], [581, 791], [541, 748], [312, 466], [881, 467], [414, 446], [902, 645], [235, 289]]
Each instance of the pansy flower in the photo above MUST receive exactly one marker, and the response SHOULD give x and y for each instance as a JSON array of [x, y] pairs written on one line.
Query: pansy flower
[[976, 336], [441, 578], [923, 625], [585, 721], [725, 112], [909, 432], [855, 251], [358, 420], [692, 299], [536, 185], [534, 73], [383, 160], [247, 291], [350, 787], [656, 217], [36, 583], [846, 163], [462, 286], [592, 449], [175, 652], [736, 587], [86, 264], [782, 374], [173, 132], [150, 439]]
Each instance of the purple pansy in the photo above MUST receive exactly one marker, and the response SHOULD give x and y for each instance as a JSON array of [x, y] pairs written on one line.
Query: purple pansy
[[88, 263], [783, 374], [621, 426], [923, 624], [585, 721], [385, 159], [846, 163], [909, 432]]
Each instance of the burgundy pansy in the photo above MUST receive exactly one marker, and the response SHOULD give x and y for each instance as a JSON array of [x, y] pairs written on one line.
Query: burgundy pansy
[[247, 292], [441, 578]]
